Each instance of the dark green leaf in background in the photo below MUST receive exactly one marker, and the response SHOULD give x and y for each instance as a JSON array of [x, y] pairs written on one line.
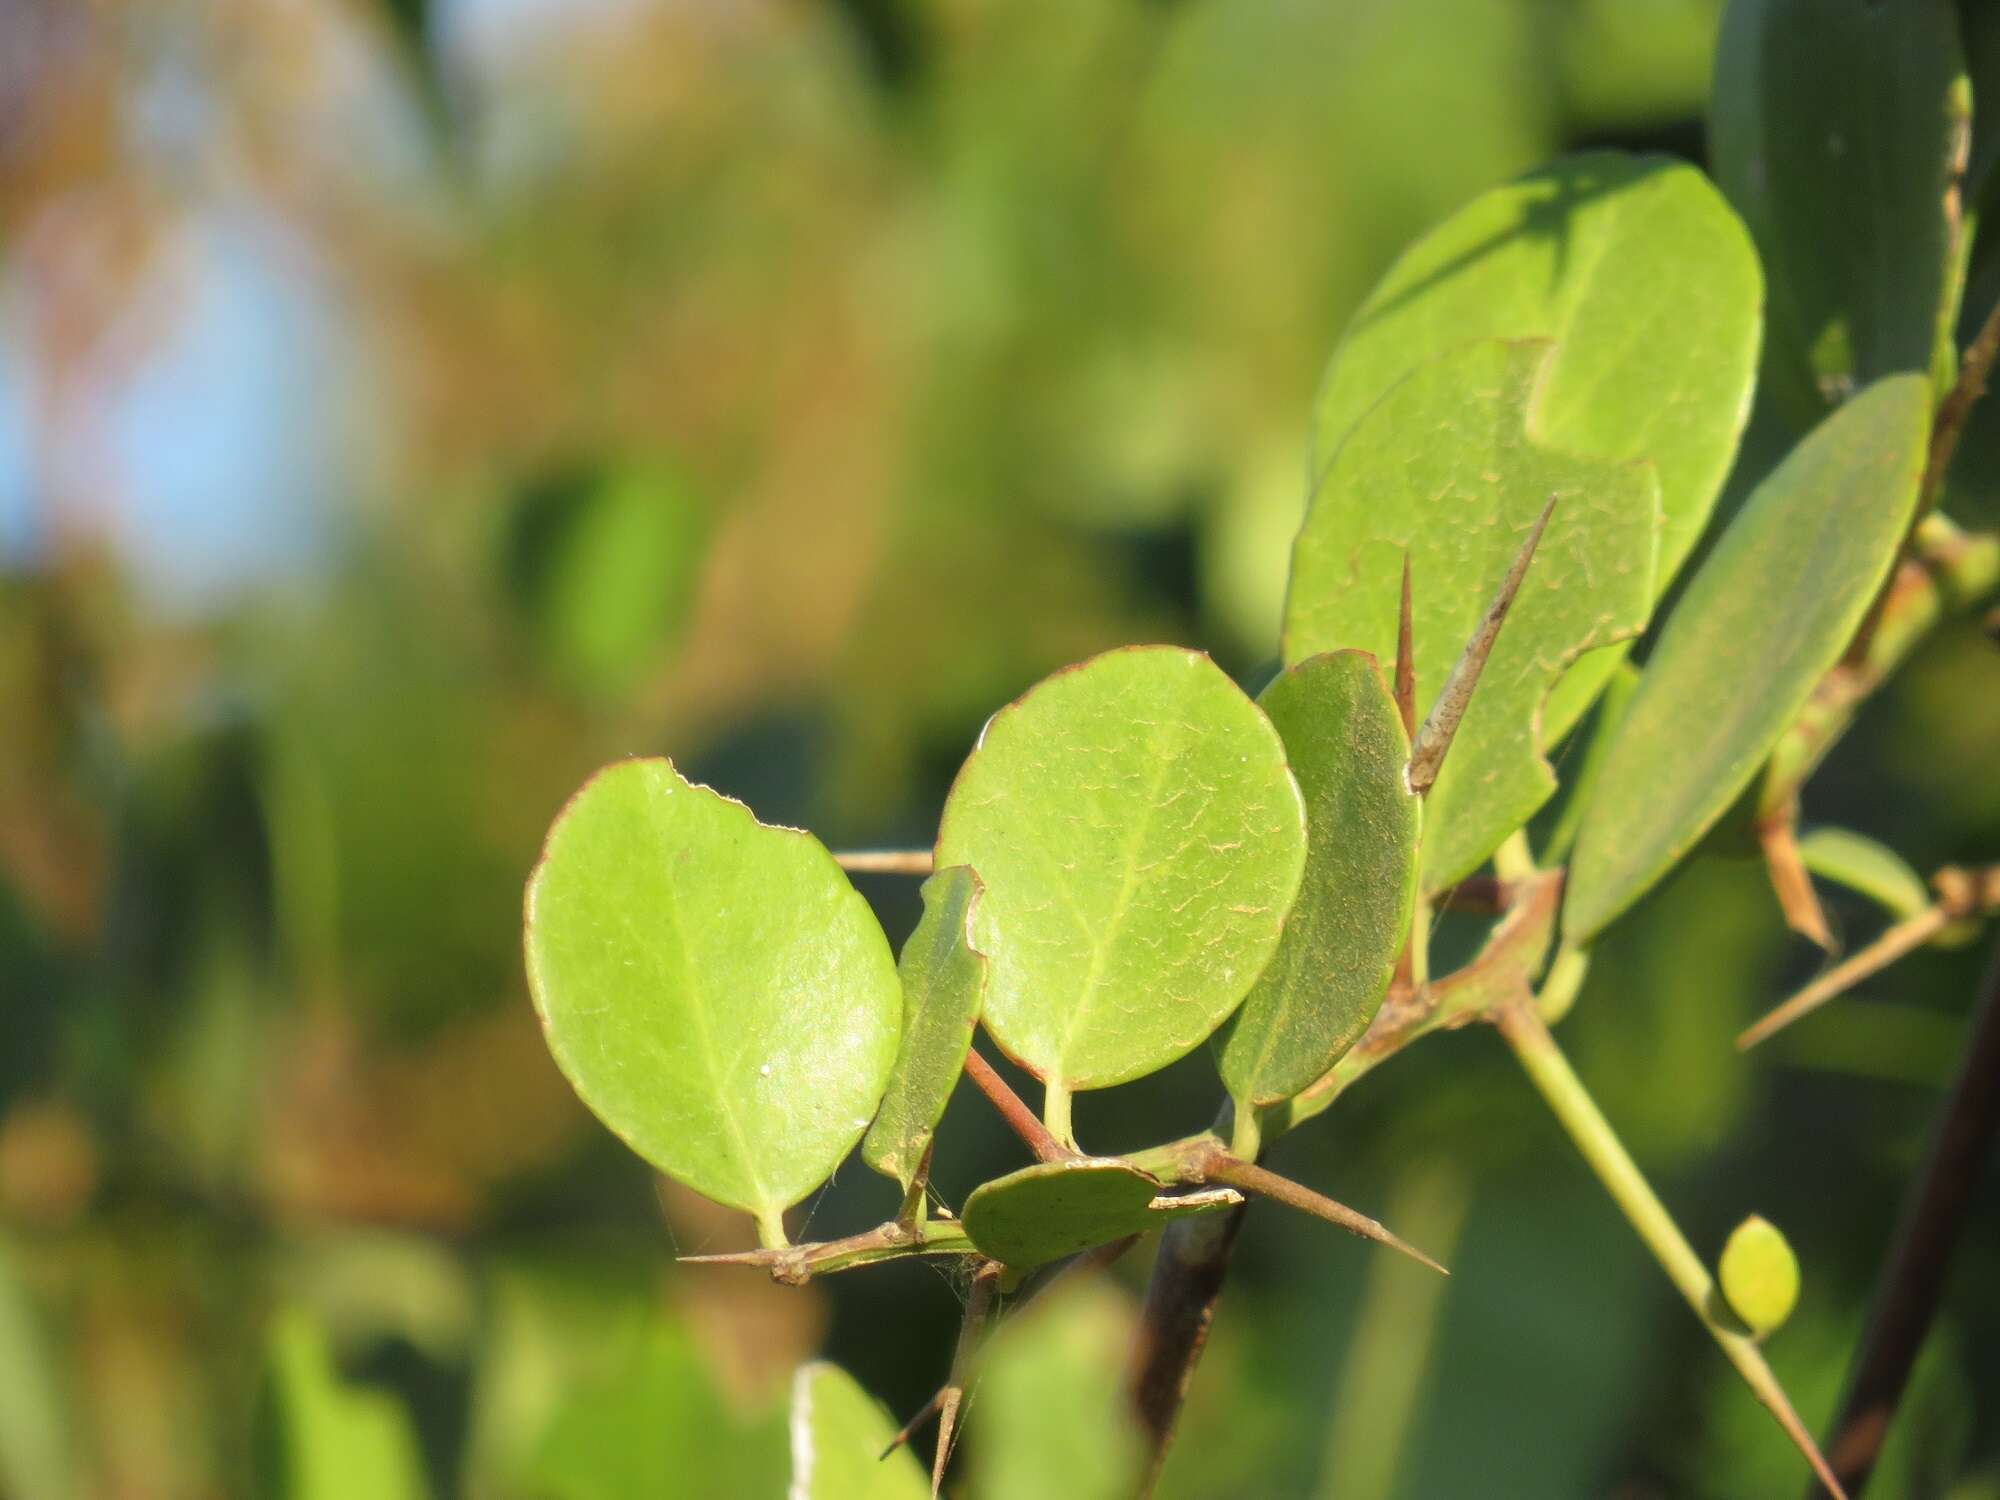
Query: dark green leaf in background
[[1772, 609], [944, 983], [1348, 750], [1834, 129], [713, 987], [1141, 842], [1447, 469]]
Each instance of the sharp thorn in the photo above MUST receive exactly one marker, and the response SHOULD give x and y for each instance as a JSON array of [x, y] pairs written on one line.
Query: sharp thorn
[[1427, 752], [1913, 932]]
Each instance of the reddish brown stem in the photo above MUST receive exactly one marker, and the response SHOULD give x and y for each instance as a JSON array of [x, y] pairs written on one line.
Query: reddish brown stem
[[1020, 1119]]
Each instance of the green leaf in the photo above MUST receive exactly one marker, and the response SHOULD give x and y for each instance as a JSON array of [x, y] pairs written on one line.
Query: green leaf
[[1141, 841], [643, 1426], [1834, 127], [1446, 466], [1759, 1275], [604, 569], [712, 987], [838, 1434], [1316, 997], [1049, 1413], [1645, 279], [1057, 1208], [320, 1438], [1583, 761], [1771, 610], [944, 983], [1865, 867]]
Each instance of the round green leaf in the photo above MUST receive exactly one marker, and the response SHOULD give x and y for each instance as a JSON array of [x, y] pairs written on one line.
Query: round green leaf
[[944, 983], [1646, 281], [839, 1433], [1141, 841], [1448, 469], [1317, 996], [712, 987], [1058, 1208], [1759, 1275], [1835, 127], [1768, 615]]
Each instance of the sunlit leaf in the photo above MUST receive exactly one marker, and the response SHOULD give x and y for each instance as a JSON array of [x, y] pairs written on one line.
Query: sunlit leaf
[[1834, 126], [1057, 1208], [1759, 1275], [944, 983], [1445, 468], [1317, 996], [320, 1438], [1141, 842], [1770, 612], [1645, 279], [1583, 761], [1866, 867], [713, 987], [838, 1434], [1049, 1412]]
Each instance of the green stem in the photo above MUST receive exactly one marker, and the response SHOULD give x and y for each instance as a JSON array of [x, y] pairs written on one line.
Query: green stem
[[1055, 1114], [1420, 942], [1549, 1070], [771, 1228], [1246, 1135]]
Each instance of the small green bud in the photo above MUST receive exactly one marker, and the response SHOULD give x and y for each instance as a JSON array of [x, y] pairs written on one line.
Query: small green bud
[[1760, 1275]]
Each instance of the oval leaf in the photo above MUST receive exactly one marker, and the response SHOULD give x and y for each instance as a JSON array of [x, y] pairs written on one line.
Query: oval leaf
[[944, 983], [838, 1434], [1767, 616], [1835, 128], [1866, 868], [1446, 468], [1316, 997], [712, 987], [1638, 270], [1141, 841], [1759, 1275], [1057, 1208]]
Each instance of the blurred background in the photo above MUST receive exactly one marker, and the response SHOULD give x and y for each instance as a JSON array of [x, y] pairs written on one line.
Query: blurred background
[[406, 407]]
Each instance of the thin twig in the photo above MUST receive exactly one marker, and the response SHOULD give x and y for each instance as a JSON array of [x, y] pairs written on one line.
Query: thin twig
[[1570, 1102], [885, 861], [1913, 1277], [1427, 752], [1907, 935], [1014, 1110]]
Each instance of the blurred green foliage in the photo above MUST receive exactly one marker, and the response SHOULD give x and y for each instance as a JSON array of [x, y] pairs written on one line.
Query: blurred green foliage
[[784, 386]]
